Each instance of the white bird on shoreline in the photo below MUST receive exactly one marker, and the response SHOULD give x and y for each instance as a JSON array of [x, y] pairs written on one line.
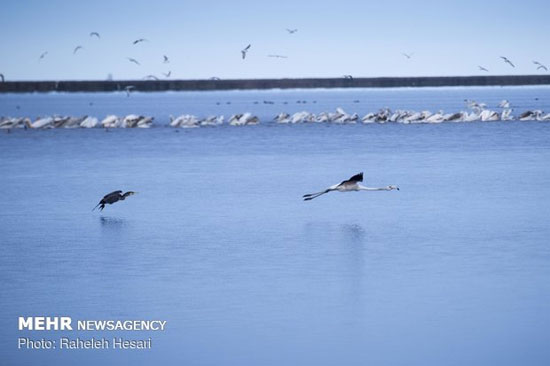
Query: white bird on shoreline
[[245, 50], [350, 185]]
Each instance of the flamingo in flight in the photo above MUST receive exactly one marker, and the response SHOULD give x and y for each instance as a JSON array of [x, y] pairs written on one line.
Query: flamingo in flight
[[350, 185]]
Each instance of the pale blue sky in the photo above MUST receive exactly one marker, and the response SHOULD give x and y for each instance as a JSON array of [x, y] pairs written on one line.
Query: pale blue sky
[[204, 38]]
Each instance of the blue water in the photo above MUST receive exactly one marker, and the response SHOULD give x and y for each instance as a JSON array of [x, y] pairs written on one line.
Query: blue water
[[453, 269], [227, 103]]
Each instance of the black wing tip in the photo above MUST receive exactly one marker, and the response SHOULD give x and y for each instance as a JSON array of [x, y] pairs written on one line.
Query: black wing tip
[[357, 177]]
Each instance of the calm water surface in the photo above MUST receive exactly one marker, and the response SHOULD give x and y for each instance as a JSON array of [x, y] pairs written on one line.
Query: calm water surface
[[453, 269], [268, 103]]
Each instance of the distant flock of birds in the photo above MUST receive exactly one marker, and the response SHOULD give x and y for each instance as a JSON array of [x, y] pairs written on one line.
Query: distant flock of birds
[[111, 121], [539, 65], [165, 58], [245, 50], [476, 112]]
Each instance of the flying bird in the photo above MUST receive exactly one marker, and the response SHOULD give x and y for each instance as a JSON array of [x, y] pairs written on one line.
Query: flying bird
[[481, 68], [133, 60], [407, 55], [112, 198], [139, 40], [129, 89], [76, 49], [152, 77], [166, 60], [43, 55], [2, 77], [245, 50], [167, 74], [277, 56], [540, 66], [507, 61], [350, 185], [292, 31], [95, 34]]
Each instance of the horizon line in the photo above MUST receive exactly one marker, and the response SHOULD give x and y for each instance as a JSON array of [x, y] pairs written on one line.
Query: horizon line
[[22, 86]]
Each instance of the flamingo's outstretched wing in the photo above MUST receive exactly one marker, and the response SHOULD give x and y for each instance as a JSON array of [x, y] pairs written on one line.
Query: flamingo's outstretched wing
[[356, 178]]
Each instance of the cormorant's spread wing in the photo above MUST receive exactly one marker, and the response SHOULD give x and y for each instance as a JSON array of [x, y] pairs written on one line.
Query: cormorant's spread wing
[[115, 192]]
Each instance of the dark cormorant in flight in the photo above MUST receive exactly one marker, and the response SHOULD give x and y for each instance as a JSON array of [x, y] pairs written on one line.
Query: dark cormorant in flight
[[112, 198]]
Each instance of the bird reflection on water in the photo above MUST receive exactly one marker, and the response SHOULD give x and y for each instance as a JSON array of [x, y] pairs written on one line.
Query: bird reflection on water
[[111, 222], [354, 232], [355, 236]]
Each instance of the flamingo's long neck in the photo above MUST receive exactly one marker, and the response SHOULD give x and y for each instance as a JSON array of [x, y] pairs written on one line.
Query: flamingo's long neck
[[363, 188]]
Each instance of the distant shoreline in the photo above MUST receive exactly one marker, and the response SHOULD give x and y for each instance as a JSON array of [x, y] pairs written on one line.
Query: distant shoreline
[[248, 84]]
